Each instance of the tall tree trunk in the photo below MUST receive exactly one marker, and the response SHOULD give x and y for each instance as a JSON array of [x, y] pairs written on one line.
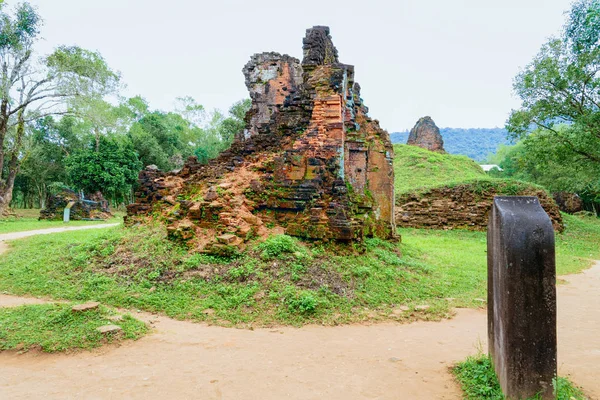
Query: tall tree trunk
[[3, 131], [42, 194], [6, 193]]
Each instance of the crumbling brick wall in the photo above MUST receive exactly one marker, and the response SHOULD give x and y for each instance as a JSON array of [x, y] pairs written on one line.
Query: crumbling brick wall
[[94, 206], [462, 207], [310, 162]]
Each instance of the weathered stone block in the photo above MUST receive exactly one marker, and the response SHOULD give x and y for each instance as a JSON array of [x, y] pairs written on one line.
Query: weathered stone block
[[85, 307], [109, 329], [522, 297]]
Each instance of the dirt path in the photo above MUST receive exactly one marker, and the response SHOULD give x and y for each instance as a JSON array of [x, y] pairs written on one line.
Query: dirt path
[[183, 360]]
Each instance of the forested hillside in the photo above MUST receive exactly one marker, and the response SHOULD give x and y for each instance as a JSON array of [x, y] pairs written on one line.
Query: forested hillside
[[476, 143]]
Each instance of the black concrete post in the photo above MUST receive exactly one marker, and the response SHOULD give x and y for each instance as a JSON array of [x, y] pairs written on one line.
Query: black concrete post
[[522, 297]]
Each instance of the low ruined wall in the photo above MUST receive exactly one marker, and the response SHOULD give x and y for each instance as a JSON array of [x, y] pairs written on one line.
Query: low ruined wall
[[96, 208], [463, 206]]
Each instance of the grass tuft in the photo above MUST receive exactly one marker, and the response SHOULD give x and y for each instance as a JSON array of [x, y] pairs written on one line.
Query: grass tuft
[[55, 327], [479, 382]]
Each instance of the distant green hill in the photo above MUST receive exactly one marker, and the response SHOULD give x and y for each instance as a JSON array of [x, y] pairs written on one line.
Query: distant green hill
[[416, 168], [475, 143]]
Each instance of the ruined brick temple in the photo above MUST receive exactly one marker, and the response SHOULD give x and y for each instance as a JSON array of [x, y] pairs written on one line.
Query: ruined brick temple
[[310, 162]]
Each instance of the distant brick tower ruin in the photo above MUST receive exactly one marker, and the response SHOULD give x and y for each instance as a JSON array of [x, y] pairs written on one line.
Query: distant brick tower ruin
[[427, 135], [309, 163]]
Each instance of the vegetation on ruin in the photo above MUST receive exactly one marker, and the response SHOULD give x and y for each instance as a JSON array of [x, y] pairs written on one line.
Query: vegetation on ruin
[[279, 281], [55, 328], [479, 382]]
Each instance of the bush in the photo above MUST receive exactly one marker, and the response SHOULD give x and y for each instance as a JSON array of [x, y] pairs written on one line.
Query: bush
[[277, 245], [478, 381], [304, 303]]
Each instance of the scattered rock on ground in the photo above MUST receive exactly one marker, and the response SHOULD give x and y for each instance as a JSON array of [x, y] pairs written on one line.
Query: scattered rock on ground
[[400, 310], [85, 307], [109, 329]]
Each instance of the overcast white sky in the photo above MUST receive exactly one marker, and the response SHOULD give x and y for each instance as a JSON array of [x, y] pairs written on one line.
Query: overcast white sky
[[453, 60]]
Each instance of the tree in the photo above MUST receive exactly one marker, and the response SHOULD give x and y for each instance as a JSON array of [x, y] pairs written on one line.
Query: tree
[[98, 117], [32, 88], [218, 133], [235, 123], [43, 164], [561, 87], [163, 139], [112, 167], [540, 159]]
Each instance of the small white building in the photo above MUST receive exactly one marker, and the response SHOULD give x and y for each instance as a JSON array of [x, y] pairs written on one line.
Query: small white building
[[489, 167]]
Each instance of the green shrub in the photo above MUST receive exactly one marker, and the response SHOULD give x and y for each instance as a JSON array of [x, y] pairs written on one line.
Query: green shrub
[[304, 303], [277, 245], [244, 271], [478, 380]]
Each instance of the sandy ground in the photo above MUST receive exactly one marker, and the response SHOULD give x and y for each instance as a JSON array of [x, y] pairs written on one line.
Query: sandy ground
[[183, 360]]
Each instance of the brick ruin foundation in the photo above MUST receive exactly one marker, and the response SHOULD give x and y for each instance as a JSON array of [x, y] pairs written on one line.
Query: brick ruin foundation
[[461, 207], [92, 207], [310, 162]]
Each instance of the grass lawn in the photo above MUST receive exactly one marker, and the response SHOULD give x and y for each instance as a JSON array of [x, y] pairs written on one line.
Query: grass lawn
[[479, 382], [55, 327], [27, 220], [281, 281]]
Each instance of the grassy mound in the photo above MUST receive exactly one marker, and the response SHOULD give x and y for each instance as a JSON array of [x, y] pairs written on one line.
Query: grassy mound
[[445, 191], [280, 281], [55, 327], [478, 381], [416, 168]]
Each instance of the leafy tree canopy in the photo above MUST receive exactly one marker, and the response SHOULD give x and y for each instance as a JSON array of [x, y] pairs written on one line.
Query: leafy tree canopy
[[561, 87], [112, 168]]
